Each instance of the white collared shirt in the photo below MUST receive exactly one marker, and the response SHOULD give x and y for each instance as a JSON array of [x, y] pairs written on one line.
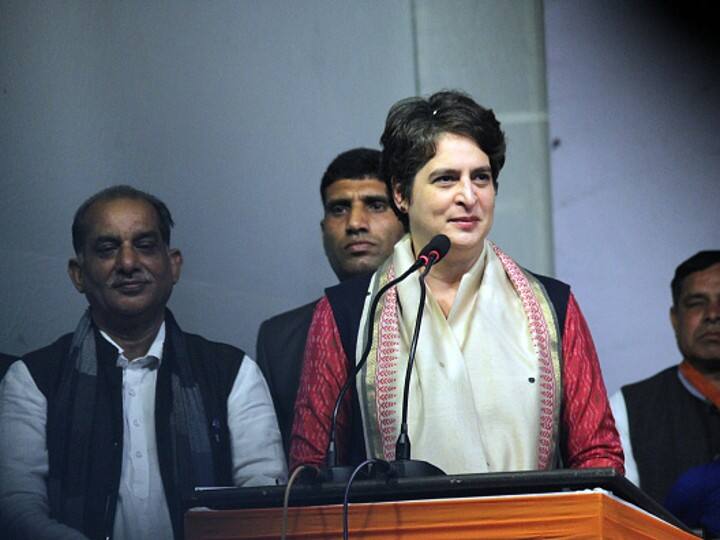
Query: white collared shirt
[[141, 512]]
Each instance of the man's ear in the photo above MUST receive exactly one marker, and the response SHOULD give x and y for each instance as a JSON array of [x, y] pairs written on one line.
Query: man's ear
[[75, 272], [398, 196], [674, 319], [176, 262], [322, 225]]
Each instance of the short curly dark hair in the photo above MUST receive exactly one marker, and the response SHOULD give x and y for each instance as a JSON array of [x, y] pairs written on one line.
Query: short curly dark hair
[[79, 226], [413, 126]]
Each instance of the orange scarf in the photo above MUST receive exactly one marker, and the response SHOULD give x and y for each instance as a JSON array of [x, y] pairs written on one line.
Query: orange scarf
[[701, 383]]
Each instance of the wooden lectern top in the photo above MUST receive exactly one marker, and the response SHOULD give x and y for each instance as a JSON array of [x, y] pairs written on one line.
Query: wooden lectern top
[[587, 503], [585, 514]]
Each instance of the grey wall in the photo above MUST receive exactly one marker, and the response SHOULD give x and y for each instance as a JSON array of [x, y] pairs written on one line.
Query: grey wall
[[634, 112], [230, 112], [495, 50]]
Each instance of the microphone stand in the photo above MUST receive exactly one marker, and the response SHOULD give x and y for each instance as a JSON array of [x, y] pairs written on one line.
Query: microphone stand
[[403, 466], [341, 473], [435, 250]]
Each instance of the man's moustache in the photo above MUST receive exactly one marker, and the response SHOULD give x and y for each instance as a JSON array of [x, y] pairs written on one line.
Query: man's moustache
[[117, 281]]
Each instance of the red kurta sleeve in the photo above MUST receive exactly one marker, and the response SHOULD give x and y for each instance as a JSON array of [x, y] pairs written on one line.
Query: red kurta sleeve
[[592, 440], [323, 374]]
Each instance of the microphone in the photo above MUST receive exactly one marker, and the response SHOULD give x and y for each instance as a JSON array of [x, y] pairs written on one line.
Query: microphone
[[435, 250], [403, 466]]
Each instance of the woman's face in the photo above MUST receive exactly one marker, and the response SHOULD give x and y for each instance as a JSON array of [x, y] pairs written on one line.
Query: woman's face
[[452, 194]]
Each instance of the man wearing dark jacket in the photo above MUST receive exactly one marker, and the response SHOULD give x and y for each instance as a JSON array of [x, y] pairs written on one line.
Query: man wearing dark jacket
[[359, 231], [107, 429], [670, 422]]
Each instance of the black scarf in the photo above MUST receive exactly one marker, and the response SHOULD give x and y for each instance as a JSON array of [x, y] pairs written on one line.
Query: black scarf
[[82, 400]]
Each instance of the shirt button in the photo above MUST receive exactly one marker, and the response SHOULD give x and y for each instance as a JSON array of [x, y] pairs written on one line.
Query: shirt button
[[138, 454], [131, 392], [136, 422]]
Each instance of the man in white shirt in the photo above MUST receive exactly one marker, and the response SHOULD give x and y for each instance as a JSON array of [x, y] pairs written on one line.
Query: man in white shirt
[[104, 432]]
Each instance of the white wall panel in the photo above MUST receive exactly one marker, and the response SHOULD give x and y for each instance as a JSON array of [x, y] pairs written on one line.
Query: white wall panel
[[633, 94]]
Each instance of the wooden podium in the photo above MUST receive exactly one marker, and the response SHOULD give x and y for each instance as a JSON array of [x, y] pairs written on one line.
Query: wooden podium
[[581, 512]]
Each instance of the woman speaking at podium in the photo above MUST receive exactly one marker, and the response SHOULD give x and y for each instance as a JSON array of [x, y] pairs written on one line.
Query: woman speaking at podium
[[506, 376]]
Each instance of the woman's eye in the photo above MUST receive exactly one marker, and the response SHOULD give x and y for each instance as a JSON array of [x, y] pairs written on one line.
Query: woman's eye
[[444, 179]]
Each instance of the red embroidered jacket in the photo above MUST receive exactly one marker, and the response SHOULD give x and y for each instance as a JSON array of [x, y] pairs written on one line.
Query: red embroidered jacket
[[587, 422]]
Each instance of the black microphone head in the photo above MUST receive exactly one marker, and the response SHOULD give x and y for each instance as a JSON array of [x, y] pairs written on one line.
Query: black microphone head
[[437, 248]]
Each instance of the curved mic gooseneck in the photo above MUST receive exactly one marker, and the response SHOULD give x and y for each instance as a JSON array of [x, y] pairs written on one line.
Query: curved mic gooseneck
[[331, 454], [402, 446], [404, 466], [435, 250]]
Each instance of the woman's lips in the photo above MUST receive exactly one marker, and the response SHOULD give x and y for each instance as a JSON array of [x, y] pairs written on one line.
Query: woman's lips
[[465, 222]]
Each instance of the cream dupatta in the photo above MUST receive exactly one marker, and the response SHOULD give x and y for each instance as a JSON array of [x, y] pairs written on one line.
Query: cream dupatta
[[485, 391]]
